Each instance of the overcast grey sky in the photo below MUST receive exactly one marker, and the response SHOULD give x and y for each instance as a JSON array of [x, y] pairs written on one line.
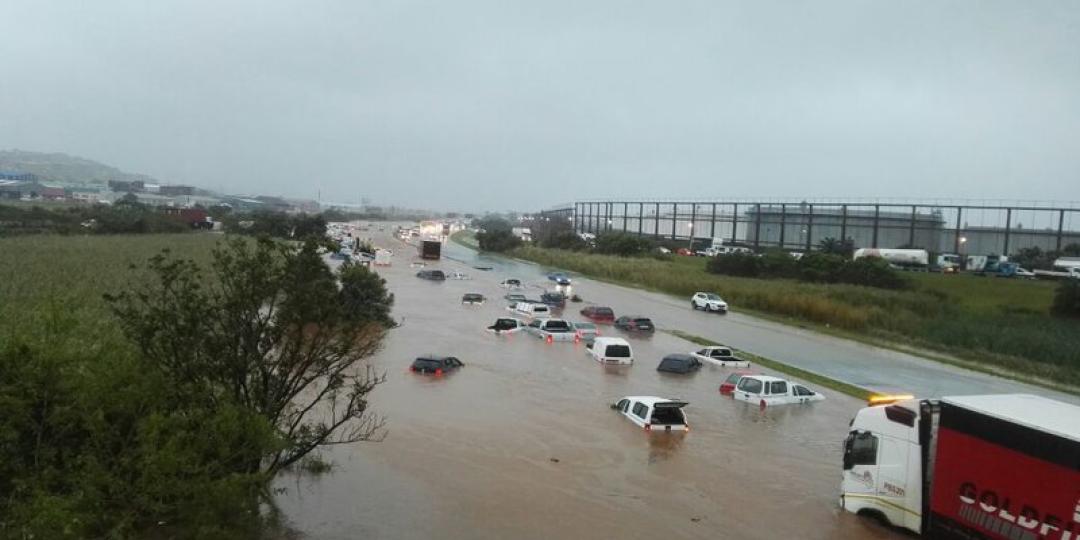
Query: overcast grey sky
[[496, 104]]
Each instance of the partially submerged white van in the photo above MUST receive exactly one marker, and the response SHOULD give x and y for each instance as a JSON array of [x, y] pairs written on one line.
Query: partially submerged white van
[[653, 413], [611, 350]]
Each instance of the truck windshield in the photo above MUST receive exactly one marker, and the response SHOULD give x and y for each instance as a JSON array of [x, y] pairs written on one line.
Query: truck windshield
[[557, 326], [618, 351]]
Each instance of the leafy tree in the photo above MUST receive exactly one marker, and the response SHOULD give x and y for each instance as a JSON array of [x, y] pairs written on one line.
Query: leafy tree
[[496, 234], [821, 267], [270, 331], [1067, 299], [871, 272], [844, 248]]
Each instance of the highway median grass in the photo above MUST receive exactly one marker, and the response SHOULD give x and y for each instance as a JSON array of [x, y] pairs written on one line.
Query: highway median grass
[[988, 324]]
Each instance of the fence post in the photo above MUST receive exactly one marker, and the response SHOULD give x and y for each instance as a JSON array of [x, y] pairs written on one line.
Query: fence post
[[843, 223], [625, 211], [810, 228], [734, 223], [1008, 225], [656, 222], [783, 223], [1061, 228], [911, 233], [712, 227], [956, 237], [674, 218], [640, 218], [757, 226], [877, 215]]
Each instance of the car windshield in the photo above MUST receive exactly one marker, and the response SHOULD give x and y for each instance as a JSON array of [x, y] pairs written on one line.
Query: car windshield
[[604, 311], [618, 351], [643, 322], [712, 297], [734, 378]]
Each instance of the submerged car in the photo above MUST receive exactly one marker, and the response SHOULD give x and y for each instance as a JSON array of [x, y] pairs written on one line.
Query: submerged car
[[708, 302], [634, 323], [473, 299], [507, 325], [559, 278], [553, 330], [433, 275], [766, 390], [720, 356], [555, 300], [458, 276], [514, 298], [600, 314], [510, 283], [436, 365], [586, 331], [679, 363], [653, 413], [611, 350], [728, 386]]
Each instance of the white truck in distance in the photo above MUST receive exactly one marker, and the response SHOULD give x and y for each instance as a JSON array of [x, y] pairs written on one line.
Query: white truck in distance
[[995, 467], [902, 258]]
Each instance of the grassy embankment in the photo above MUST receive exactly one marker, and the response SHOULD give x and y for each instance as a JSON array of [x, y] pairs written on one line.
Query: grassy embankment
[[988, 324], [51, 286]]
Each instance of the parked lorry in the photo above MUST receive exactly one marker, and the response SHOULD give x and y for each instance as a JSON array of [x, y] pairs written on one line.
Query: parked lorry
[[969, 467], [430, 249], [985, 264], [948, 262], [1064, 268], [910, 259]]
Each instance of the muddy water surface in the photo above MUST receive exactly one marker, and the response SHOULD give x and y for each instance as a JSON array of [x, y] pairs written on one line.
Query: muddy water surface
[[521, 442]]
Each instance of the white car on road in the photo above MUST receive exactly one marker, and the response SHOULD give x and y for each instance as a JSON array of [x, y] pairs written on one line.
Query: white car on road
[[708, 302], [653, 413], [719, 356], [765, 390]]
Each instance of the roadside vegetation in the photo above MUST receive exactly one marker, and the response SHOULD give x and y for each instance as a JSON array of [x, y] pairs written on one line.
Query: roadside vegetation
[[156, 394], [992, 324]]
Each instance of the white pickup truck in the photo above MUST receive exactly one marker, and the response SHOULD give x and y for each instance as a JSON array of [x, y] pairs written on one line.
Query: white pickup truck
[[553, 330], [720, 356], [765, 390]]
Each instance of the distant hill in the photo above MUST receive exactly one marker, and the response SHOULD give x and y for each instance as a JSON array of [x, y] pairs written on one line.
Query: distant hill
[[58, 167]]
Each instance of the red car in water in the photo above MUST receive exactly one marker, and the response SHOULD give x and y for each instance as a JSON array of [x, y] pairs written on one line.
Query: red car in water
[[728, 386], [599, 314]]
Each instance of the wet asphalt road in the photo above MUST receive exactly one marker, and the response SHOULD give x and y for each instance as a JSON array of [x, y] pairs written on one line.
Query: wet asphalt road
[[521, 442]]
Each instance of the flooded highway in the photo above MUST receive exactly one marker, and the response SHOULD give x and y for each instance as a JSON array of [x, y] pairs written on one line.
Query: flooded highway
[[521, 442]]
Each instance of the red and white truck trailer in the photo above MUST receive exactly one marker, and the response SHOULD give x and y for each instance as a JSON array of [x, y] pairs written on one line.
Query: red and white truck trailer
[[968, 467]]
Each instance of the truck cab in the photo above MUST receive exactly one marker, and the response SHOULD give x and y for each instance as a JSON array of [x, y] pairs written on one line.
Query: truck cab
[[993, 467]]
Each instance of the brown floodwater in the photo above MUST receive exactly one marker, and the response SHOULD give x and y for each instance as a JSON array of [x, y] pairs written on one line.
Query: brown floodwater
[[521, 442]]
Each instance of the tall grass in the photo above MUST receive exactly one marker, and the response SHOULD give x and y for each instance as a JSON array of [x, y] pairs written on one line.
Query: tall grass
[[993, 323], [51, 286]]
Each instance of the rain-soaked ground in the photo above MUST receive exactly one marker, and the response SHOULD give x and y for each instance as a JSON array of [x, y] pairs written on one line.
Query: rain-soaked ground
[[521, 442]]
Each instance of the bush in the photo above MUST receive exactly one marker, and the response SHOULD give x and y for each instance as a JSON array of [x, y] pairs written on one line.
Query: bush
[[871, 272], [1067, 299], [735, 264], [821, 267], [622, 244]]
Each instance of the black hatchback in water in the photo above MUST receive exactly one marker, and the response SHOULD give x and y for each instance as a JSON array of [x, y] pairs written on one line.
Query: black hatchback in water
[[433, 275], [679, 363], [436, 365], [634, 324]]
